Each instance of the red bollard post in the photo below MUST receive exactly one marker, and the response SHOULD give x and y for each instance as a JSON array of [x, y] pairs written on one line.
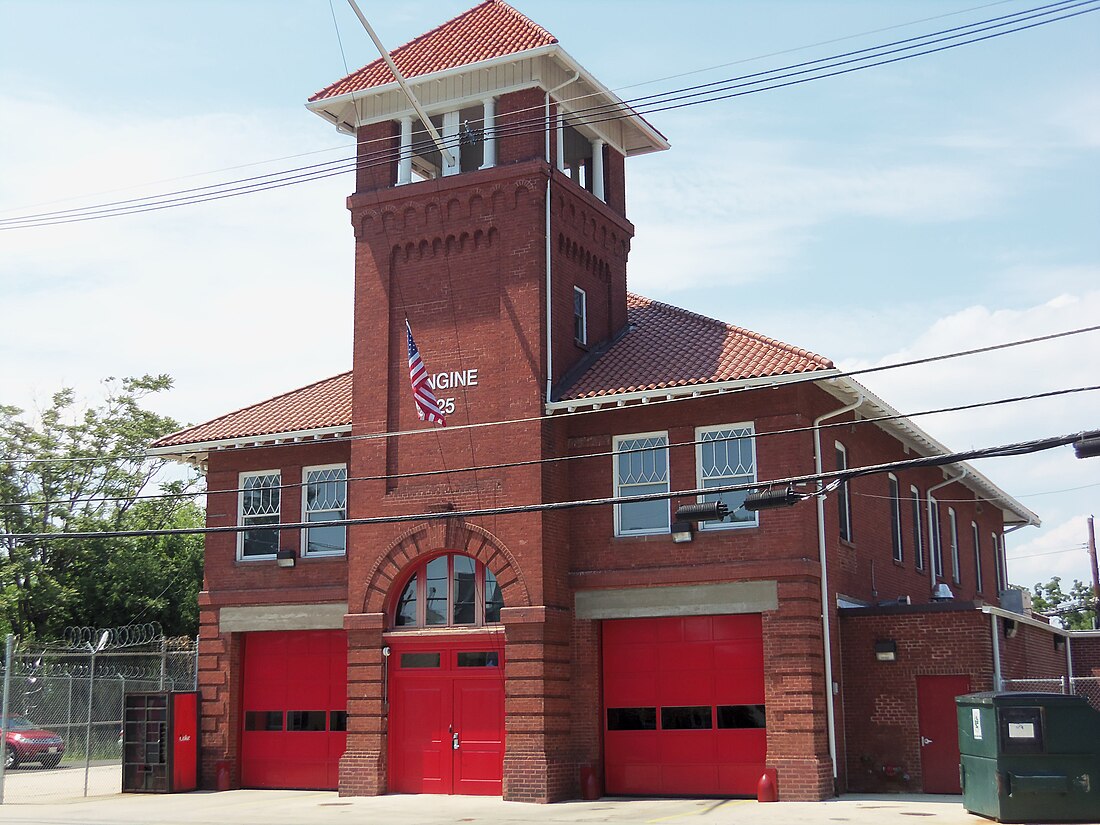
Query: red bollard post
[[767, 789]]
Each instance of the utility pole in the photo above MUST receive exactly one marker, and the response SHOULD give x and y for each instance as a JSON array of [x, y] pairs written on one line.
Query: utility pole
[[1095, 576]]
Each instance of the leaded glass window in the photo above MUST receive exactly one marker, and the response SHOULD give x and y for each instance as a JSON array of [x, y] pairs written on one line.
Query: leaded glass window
[[259, 506], [641, 467], [449, 590], [326, 499], [726, 456]]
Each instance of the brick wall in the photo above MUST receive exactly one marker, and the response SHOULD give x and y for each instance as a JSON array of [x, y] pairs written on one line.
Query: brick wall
[[880, 698], [1086, 655]]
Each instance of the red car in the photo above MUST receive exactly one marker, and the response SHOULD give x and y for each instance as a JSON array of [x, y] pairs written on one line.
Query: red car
[[27, 742]]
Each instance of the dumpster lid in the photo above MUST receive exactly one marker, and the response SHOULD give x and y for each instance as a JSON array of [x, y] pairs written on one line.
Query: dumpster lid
[[1012, 698]]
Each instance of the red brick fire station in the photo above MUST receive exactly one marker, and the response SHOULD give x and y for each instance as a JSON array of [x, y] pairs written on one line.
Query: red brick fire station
[[531, 654]]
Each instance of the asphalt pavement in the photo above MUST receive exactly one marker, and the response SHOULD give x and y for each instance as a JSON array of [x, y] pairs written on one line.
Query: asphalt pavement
[[253, 807]]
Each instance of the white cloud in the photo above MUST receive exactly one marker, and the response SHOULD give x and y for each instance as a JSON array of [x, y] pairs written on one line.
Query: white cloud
[[238, 299], [1043, 482], [1059, 550]]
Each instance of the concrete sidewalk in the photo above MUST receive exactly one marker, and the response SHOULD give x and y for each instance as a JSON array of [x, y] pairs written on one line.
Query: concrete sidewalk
[[250, 807]]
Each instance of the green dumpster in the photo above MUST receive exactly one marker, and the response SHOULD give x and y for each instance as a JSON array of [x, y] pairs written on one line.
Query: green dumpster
[[1029, 757]]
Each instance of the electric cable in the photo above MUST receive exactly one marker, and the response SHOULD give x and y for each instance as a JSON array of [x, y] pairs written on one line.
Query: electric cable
[[261, 183], [804, 378], [835, 477], [651, 81], [755, 436]]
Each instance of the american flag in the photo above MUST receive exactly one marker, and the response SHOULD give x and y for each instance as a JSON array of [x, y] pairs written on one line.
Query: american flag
[[427, 408]]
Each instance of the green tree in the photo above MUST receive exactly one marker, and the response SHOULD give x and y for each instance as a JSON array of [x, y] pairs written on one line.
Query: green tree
[[74, 469], [1074, 609]]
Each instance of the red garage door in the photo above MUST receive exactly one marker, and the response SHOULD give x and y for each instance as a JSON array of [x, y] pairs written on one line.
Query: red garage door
[[294, 705], [684, 705]]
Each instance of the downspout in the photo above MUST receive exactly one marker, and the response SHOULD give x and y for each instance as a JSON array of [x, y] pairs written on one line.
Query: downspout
[[1069, 661], [998, 683], [830, 710], [933, 524], [549, 295]]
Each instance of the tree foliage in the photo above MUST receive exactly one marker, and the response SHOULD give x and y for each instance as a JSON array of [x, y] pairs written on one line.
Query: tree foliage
[[1073, 609], [74, 469]]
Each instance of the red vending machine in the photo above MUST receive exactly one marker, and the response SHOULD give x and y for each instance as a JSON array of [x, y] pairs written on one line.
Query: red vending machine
[[160, 734]]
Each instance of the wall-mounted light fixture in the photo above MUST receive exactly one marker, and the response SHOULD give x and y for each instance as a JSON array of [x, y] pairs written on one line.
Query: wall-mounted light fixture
[[286, 558], [886, 650], [681, 531]]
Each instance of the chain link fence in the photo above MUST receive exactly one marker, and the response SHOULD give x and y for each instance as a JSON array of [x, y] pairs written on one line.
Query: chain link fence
[[63, 728], [1087, 686]]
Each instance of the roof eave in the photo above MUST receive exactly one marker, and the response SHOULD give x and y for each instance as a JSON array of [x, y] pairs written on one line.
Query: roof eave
[[658, 142], [847, 389], [622, 399], [318, 105], [181, 452], [654, 141]]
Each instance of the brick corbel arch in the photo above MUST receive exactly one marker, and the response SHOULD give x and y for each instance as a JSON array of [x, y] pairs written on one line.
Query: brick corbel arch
[[451, 535]]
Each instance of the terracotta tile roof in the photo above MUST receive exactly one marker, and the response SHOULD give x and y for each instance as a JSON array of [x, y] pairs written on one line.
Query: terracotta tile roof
[[492, 29], [323, 404], [671, 347]]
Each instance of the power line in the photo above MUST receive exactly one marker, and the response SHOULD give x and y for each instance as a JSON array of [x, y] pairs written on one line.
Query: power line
[[607, 112], [651, 81], [806, 378], [837, 477], [1077, 549], [755, 436]]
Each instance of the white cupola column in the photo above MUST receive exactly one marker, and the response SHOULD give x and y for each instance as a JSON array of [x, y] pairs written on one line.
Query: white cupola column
[[489, 133], [597, 170], [450, 140], [405, 163]]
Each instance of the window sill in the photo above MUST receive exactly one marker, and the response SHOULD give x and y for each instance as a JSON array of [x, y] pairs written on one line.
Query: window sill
[[726, 527], [577, 342], [851, 545], [898, 563]]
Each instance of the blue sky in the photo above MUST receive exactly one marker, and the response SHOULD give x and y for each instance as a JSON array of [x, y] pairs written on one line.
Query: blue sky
[[936, 204]]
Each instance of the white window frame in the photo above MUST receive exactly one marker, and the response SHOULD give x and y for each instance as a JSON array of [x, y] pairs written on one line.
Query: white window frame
[[897, 546], [918, 527], [583, 317], [305, 511], [953, 521], [935, 540], [700, 432], [620, 490], [999, 563], [240, 513], [844, 496], [977, 554]]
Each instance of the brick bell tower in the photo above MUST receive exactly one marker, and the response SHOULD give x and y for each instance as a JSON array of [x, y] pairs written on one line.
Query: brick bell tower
[[508, 260]]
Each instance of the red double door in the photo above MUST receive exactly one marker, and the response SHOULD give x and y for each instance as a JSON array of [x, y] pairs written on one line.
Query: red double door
[[446, 728]]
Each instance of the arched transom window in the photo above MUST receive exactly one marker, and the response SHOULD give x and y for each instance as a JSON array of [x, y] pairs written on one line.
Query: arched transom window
[[447, 591]]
